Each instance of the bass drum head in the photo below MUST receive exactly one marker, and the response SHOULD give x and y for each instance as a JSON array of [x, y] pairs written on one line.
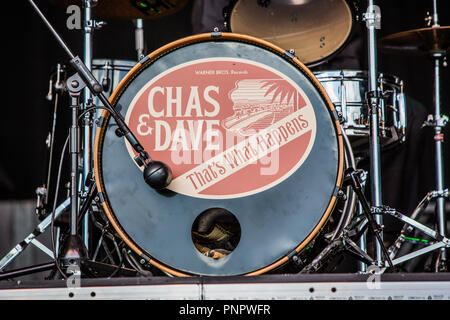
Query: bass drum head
[[255, 152], [315, 29]]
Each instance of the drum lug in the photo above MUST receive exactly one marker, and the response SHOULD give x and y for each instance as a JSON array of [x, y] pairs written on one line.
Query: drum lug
[[337, 115], [100, 121], [145, 259], [100, 197], [290, 53], [144, 60], [297, 259], [89, 179], [339, 193], [216, 33]]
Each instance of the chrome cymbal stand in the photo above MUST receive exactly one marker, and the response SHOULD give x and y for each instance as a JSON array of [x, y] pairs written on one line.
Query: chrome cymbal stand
[[438, 122], [372, 17], [439, 240], [90, 25]]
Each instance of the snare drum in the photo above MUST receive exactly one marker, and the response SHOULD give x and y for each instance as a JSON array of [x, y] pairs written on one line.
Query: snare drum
[[255, 152], [347, 90]]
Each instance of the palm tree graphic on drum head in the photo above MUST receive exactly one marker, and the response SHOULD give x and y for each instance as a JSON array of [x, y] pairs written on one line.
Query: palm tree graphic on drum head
[[259, 103]]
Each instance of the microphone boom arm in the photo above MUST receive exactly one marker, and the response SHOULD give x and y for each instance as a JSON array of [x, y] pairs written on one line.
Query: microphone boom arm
[[96, 89]]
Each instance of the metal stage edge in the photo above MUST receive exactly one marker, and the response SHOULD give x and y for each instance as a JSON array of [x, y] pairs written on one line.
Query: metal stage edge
[[416, 286]]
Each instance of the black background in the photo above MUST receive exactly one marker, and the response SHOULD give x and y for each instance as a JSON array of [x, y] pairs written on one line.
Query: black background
[[30, 54]]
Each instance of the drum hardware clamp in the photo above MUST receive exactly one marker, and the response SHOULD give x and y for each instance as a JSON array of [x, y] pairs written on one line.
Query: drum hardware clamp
[[352, 177], [344, 241], [433, 121]]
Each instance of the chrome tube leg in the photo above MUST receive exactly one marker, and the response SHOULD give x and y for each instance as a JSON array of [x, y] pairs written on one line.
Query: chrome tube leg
[[139, 38], [438, 124], [439, 161], [362, 243], [362, 266], [21, 246], [87, 120], [74, 157]]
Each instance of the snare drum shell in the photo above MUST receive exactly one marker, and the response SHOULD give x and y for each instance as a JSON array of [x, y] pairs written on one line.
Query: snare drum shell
[[347, 90]]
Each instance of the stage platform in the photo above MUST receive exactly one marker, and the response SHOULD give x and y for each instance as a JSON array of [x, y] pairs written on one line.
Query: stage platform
[[411, 286]]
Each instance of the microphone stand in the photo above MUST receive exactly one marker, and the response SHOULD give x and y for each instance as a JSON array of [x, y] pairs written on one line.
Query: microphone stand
[[74, 251]]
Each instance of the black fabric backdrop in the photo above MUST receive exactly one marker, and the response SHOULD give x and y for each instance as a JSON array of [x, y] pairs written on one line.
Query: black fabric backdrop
[[30, 54]]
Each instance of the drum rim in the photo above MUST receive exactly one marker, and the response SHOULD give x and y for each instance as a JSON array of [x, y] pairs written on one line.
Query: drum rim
[[117, 64], [357, 74], [204, 37], [352, 7]]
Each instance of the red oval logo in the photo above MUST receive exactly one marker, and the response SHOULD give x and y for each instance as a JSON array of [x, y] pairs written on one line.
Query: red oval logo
[[227, 127]]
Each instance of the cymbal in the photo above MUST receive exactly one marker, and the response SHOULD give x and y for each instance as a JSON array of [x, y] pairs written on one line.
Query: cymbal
[[128, 9], [417, 42]]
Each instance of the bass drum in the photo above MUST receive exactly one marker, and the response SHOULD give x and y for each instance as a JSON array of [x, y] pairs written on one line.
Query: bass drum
[[256, 153]]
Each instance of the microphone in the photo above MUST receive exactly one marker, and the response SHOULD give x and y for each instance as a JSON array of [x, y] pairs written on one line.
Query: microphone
[[157, 175]]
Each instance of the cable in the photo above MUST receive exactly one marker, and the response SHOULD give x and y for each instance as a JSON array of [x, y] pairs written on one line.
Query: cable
[[54, 208], [89, 110], [120, 262], [135, 265]]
